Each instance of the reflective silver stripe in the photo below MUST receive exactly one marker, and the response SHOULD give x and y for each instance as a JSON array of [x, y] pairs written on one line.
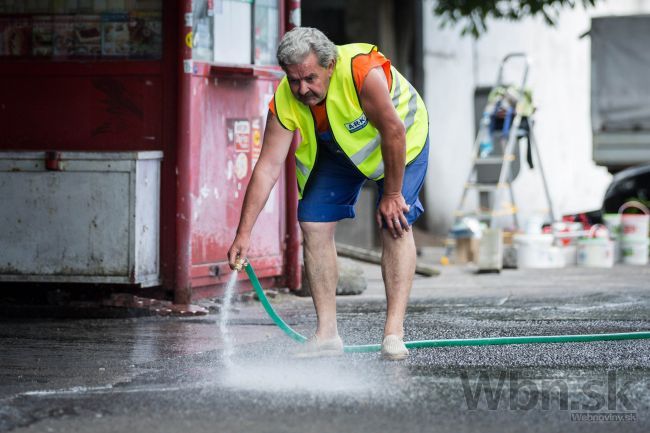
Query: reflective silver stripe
[[366, 150], [302, 167], [378, 171], [398, 91], [409, 120]]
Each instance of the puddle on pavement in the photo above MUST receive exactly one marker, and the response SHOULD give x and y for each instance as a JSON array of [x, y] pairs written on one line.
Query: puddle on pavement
[[314, 376]]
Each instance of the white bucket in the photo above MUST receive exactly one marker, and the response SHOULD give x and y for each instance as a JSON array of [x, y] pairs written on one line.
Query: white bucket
[[635, 225], [490, 250], [635, 251], [618, 255], [537, 251], [595, 252], [613, 223], [570, 253]]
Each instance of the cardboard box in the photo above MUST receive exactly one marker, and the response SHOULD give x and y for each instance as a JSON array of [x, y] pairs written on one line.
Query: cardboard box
[[466, 250]]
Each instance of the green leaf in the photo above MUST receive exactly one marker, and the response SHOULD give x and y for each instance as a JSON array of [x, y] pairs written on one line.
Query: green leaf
[[472, 15]]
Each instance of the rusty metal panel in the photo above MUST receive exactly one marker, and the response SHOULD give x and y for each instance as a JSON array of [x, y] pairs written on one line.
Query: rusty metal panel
[[228, 116], [80, 217]]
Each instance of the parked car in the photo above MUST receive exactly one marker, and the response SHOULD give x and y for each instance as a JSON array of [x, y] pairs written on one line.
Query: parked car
[[630, 184]]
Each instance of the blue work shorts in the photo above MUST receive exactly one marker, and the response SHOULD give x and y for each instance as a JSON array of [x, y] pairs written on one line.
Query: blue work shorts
[[334, 186]]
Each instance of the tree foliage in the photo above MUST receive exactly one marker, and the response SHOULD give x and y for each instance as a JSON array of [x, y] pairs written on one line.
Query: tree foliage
[[473, 14]]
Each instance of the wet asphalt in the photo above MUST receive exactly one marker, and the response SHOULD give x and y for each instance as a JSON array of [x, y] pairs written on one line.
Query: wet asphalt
[[155, 374]]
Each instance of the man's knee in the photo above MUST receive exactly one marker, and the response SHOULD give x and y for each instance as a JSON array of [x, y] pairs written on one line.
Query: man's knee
[[319, 229], [405, 241]]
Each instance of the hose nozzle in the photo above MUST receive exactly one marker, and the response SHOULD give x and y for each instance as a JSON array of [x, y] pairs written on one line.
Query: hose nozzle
[[239, 264]]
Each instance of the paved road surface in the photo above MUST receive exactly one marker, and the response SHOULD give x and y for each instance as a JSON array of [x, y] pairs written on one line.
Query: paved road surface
[[169, 374]]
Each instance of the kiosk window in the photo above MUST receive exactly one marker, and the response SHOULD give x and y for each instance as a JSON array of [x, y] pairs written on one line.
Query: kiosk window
[[241, 32], [98, 29]]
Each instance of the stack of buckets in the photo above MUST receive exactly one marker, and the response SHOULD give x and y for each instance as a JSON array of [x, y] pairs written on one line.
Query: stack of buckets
[[630, 233], [536, 249], [597, 250]]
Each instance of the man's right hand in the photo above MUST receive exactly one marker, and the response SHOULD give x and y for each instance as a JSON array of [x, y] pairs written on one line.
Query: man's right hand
[[238, 250]]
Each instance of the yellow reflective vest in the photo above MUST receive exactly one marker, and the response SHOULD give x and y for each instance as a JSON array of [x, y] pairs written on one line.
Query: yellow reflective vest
[[352, 131]]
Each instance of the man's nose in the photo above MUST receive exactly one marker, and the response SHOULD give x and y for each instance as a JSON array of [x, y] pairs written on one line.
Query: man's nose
[[303, 89]]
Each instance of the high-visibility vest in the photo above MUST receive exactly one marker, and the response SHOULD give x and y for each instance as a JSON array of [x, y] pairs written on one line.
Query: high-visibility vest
[[352, 131]]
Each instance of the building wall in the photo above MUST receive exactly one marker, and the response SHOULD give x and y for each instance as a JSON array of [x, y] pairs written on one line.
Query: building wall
[[560, 79]]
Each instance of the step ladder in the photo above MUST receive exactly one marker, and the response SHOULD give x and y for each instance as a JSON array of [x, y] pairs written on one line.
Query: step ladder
[[507, 119]]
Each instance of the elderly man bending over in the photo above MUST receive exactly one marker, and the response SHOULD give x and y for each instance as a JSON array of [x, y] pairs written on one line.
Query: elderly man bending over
[[359, 120]]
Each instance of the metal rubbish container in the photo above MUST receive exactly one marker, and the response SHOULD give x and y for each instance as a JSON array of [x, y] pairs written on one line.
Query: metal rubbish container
[[80, 217]]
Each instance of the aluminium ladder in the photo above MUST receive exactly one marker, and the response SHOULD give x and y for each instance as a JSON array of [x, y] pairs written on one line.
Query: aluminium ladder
[[510, 119]]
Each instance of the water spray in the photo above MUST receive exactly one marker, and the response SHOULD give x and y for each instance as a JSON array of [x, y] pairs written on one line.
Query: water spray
[[533, 339]]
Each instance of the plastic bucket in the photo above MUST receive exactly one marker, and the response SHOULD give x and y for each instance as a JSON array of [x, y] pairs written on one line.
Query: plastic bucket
[[595, 252], [635, 225], [536, 251], [490, 250], [618, 255], [635, 251], [570, 253], [613, 223]]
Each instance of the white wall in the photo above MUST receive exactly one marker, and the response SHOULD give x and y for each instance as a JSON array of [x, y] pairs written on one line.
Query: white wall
[[560, 80]]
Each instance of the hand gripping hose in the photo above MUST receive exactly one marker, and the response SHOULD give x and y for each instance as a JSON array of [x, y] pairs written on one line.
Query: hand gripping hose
[[533, 339]]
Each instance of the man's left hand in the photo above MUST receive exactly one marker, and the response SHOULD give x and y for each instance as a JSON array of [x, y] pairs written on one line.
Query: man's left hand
[[391, 211]]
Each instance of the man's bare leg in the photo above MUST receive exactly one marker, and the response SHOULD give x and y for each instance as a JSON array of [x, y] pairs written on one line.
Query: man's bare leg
[[322, 274], [397, 269]]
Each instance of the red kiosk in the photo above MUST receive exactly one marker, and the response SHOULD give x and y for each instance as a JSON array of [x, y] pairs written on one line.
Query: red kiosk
[[98, 93]]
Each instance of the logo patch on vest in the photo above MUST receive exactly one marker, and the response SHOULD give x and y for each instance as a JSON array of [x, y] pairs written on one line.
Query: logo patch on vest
[[357, 124]]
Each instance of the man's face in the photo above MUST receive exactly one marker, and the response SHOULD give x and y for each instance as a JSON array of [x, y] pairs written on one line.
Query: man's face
[[308, 80]]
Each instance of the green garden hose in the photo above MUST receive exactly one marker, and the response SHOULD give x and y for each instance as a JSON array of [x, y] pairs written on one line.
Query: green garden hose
[[533, 339]]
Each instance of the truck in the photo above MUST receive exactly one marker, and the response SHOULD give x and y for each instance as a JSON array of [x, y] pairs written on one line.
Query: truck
[[620, 90]]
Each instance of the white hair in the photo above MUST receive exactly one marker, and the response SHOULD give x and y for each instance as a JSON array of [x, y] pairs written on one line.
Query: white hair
[[297, 43]]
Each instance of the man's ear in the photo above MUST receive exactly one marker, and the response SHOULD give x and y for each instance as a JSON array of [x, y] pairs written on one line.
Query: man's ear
[[330, 68]]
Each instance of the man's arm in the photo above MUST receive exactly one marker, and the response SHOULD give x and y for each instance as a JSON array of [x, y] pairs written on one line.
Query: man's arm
[[275, 146], [378, 107]]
